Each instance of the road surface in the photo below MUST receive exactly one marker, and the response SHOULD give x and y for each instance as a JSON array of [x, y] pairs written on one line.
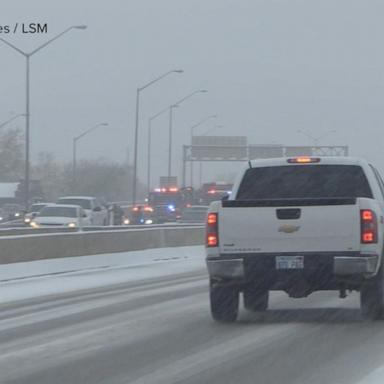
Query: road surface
[[159, 330]]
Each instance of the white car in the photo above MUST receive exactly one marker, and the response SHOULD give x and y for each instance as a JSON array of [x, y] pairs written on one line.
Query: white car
[[33, 211], [97, 214], [72, 216]]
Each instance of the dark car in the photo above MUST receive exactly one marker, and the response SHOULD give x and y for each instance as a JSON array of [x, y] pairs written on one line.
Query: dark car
[[140, 215], [165, 213]]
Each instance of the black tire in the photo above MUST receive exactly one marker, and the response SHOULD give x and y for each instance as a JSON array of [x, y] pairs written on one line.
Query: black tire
[[256, 299], [372, 297], [224, 303]]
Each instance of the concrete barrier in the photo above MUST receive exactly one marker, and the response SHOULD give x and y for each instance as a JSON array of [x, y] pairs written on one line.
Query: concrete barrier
[[15, 249]]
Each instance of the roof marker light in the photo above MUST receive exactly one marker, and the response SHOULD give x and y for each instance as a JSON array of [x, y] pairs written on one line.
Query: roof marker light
[[303, 160]]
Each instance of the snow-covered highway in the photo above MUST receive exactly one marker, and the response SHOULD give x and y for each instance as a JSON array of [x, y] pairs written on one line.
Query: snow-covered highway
[[144, 317]]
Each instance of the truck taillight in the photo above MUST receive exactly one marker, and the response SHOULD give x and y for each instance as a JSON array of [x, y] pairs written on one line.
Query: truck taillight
[[212, 233], [368, 222]]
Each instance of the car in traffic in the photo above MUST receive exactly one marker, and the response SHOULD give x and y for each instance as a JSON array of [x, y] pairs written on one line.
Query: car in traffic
[[165, 213], [194, 214], [11, 212], [96, 212], [33, 211], [139, 215], [59, 215]]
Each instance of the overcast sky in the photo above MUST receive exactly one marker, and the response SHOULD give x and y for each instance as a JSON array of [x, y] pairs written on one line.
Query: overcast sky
[[271, 67]]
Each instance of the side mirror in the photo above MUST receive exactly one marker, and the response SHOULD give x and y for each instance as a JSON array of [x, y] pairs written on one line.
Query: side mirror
[[97, 209]]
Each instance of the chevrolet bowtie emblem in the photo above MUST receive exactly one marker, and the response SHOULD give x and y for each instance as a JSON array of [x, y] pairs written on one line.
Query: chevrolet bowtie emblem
[[289, 228]]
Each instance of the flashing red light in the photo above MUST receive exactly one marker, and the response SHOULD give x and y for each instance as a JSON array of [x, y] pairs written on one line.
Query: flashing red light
[[212, 191]]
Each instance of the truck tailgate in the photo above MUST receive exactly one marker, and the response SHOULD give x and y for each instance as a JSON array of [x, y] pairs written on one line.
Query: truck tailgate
[[312, 225]]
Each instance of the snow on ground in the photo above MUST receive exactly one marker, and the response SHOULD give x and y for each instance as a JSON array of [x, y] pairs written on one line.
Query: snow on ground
[[38, 278]]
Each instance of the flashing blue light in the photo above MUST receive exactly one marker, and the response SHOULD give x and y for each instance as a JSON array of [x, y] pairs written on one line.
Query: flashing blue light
[[141, 221], [171, 208]]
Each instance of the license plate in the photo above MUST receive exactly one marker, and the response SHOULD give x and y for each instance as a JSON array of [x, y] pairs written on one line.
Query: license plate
[[289, 262]]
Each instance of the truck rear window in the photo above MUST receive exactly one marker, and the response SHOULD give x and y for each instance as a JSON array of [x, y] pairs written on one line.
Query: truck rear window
[[304, 181]]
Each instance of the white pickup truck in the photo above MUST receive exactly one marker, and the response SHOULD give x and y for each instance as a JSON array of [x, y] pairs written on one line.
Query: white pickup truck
[[300, 225]]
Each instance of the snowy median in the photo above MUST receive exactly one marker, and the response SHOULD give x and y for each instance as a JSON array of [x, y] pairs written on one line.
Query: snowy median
[[15, 249], [46, 277]]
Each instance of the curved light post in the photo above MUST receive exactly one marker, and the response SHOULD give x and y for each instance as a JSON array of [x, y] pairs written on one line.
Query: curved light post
[[74, 153], [201, 122], [27, 100], [149, 146], [136, 139], [171, 123]]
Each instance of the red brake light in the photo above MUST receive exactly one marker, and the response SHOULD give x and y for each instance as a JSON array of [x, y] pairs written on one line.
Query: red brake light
[[212, 232], [368, 222], [367, 215], [212, 241], [212, 218], [368, 237]]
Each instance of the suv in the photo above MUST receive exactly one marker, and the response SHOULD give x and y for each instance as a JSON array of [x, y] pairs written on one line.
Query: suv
[[96, 212]]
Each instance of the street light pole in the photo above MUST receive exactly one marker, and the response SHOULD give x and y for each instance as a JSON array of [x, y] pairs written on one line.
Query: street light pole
[[27, 102], [170, 126], [136, 139], [74, 148], [192, 130], [170, 140], [149, 146]]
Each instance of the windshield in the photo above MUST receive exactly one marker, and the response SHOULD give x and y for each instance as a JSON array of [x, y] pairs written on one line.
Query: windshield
[[58, 212], [84, 203], [304, 181], [37, 207]]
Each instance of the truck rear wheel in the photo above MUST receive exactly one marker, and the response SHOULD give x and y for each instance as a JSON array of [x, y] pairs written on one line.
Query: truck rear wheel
[[224, 303], [372, 297], [255, 299]]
